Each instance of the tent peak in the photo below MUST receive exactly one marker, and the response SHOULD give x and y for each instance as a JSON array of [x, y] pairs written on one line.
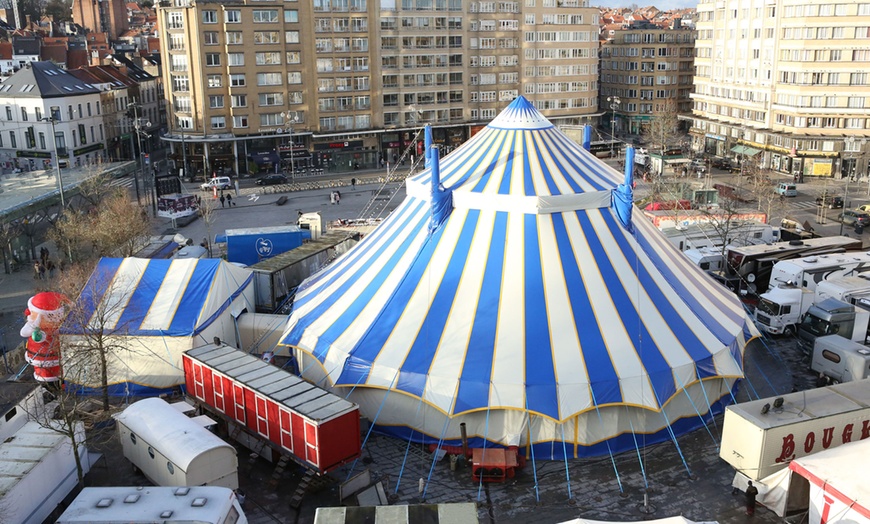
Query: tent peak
[[520, 114]]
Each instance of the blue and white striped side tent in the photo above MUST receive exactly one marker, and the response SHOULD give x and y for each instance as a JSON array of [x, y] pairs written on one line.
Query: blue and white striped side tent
[[531, 314], [150, 312]]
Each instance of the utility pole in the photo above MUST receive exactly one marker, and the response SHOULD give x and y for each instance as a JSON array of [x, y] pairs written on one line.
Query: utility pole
[[137, 126]]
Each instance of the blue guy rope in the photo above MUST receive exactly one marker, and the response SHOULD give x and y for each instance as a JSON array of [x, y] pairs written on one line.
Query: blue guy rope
[[435, 454], [697, 411], [407, 448], [565, 454], [609, 450], [485, 436], [671, 433], [532, 450], [637, 448], [707, 399], [372, 426]]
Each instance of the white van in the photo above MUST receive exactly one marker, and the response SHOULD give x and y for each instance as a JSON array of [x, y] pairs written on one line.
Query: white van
[[220, 182], [840, 358], [786, 189]]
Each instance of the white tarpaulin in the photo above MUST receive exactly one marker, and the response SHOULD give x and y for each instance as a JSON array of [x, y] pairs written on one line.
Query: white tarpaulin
[[668, 520], [839, 491]]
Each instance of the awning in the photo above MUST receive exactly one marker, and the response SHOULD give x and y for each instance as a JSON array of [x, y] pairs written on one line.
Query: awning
[[745, 150], [677, 161]]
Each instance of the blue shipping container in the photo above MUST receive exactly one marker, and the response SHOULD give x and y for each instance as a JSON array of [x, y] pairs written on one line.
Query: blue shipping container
[[249, 246]]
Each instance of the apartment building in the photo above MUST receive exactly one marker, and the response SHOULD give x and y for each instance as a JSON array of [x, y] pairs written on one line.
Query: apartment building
[[785, 82], [346, 84], [646, 70]]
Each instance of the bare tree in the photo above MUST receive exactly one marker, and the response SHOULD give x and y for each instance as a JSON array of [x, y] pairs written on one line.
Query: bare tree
[[111, 228], [8, 233], [208, 213], [662, 131]]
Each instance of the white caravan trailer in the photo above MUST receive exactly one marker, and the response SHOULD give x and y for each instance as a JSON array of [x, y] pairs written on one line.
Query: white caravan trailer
[[147, 505], [172, 449], [37, 471]]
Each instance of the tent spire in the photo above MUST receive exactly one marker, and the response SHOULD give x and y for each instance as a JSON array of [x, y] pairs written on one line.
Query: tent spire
[[587, 137], [427, 146], [623, 197], [441, 201]]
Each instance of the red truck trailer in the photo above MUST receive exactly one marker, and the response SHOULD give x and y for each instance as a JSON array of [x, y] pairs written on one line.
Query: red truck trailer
[[316, 428]]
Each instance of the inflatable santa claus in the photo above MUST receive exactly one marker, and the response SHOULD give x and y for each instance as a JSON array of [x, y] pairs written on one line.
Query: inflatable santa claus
[[45, 313]]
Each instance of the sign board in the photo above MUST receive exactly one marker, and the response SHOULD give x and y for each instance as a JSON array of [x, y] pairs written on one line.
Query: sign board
[[176, 206], [759, 441]]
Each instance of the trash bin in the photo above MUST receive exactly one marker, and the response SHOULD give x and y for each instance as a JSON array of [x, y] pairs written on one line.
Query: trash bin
[[859, 229]]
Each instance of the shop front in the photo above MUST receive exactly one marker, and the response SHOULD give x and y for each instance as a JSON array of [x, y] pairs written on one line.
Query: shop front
[[344, 156], [714, 144]]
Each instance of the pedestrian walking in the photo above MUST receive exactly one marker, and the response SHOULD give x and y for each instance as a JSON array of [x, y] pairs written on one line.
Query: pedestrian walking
[[41, 271], [751, 493], [36, 270], [49, 265], [332, 197], [230, 200], [353, 183], [223, 199], [338, 197]]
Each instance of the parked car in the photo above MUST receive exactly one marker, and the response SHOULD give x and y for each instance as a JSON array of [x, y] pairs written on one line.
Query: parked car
[[220, 182], [830, 201], [271, 180], [854, 218], [864, 209], [725, 163]]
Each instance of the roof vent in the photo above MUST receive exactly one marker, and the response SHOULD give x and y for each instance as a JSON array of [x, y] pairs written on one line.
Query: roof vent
[[199, 502], [129, 499], [104, 503], [811, 260], [166, 514], [180, 492]]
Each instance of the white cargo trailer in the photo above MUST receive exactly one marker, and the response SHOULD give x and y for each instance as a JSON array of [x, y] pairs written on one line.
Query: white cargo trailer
[[841, 359], [147, 505], [37, 471], [761, 437], [172, 449]]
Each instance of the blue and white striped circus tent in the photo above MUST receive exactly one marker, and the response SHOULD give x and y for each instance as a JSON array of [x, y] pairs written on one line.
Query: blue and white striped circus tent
[[147, 313], [514, 300]]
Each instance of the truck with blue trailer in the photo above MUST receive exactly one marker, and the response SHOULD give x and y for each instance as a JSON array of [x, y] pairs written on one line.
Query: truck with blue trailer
[[252, 245]]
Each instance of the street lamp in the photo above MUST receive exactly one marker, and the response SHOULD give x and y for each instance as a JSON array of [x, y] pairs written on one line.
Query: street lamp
[[138, 125], [290, 121], [614, 105], [53, 121]]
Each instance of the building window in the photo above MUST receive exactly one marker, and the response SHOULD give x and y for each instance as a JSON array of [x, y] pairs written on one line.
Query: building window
[[235, 59], [234, 37], [24, 114], [268, 58], [8, 113], [291, 37], [214, 80], [212, 59], [240, 121], [265, 37], [233, 16], [218, 122], [268, 79], [215, 101], [176, 21], [294, 57], [208, 38], [271, 99], [209, 17], [240, 100], [294, 77], [12, 140], [291, 16], [237, 80], [271, 119], [262, 16]]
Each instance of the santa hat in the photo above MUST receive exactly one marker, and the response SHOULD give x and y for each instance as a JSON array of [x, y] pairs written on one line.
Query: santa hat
[[47, 306]]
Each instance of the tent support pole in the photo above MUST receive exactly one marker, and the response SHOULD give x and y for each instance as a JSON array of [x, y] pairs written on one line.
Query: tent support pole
[[637, 448], [485, 437]]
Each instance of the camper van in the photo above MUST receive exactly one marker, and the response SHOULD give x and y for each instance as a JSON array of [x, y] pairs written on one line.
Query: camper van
[[841, 359], [145, 505]]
